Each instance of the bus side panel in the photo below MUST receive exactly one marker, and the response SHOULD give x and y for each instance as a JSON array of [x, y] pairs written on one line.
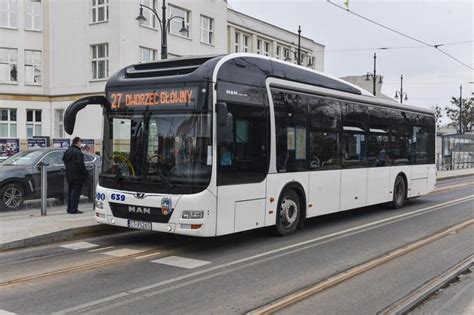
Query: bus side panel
[[378, 189], [431, 178], [246, 213], [353, 188], [275, 184], [419, 180], [323, 192], [394, 171]]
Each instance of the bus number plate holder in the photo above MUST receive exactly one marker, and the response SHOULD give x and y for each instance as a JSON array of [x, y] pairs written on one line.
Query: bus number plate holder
[[139, 225]]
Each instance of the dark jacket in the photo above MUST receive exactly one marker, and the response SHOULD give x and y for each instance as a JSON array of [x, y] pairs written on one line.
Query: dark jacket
[[76, 171]]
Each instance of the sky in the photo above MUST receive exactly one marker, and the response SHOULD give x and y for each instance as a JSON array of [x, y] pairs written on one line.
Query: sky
[[430, 78]]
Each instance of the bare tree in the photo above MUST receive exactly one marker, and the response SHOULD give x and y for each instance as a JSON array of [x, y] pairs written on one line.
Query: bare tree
[[438, 111]]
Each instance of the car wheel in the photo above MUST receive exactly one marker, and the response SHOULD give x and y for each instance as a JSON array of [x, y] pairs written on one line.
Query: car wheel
[[288, 213], [399, 193], [12, 196]]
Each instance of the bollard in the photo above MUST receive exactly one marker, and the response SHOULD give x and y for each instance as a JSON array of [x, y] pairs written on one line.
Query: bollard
[[44, 187], [94, 184]]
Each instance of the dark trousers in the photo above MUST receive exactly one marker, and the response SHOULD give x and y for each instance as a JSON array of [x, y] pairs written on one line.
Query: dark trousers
[[74, 193]]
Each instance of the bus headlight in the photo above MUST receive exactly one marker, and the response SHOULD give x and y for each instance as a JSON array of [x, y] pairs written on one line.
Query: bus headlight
[[99, 204], [187, 214]]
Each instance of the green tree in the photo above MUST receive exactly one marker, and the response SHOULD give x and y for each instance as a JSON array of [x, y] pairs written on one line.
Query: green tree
[[453, 112]]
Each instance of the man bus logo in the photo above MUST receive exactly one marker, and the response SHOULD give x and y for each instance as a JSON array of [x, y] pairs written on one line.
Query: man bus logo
[[166, 205], [143, 210]]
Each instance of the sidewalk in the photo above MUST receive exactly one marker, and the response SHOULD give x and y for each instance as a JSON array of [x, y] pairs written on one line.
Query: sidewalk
[[26, 228], [440, 175]]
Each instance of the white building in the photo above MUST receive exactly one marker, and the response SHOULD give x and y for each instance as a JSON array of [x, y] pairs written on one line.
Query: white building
[[54, 51]]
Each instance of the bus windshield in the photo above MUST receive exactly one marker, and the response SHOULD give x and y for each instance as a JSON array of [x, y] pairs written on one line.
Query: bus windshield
[[157, 152]]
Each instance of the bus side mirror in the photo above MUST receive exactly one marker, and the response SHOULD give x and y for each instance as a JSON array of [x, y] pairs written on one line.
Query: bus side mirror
[[225, 125], [75, 107]]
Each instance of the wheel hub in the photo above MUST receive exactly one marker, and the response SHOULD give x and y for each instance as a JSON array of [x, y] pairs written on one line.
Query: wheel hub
[[12, 197], [288, 212]]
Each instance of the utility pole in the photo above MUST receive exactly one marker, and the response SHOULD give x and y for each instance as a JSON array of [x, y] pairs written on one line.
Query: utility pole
[[375, 74], [299, 45], [460, 110]]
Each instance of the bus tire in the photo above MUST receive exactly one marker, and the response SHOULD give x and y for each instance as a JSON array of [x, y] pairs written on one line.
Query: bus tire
[[288, 213], [399, 193]]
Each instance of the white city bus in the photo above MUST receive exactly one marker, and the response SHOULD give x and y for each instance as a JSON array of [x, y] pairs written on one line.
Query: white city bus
[[209, 146]]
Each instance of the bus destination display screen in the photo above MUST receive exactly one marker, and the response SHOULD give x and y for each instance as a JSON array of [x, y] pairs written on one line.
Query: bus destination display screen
[[169, 98]]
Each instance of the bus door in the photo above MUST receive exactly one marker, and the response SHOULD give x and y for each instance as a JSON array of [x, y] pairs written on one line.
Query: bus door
[[242, 168]]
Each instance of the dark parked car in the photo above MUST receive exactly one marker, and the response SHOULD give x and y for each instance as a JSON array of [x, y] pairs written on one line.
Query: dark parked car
[[20, 176]]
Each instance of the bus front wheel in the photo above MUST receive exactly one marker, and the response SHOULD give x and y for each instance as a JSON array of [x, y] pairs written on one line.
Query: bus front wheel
[[288, 214], [399, 193]]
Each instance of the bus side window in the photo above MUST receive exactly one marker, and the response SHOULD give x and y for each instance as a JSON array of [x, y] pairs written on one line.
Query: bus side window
[[246, 160]]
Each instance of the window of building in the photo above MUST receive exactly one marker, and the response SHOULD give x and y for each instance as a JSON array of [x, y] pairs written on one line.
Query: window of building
[[207, 30], [59, 123], [237, 42], [33, 18], [8, 65], [8, 15], [8, 123], [100, 61], [151, 20], [33, 123], [100, 11], [259, 46], [148, 54], [286, 54], [266, 49], [245, 43], [176, 24], [278, 52], [33, 67]]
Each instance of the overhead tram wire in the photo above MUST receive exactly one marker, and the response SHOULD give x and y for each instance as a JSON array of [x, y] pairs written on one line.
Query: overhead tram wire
[[436, 46], [395, 47]]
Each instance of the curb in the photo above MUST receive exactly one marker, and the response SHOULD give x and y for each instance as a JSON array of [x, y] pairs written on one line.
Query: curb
[[62, 236], [454, 177]]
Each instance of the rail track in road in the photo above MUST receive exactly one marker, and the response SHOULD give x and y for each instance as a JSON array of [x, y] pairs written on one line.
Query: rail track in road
[[399, 307], [161, 250]]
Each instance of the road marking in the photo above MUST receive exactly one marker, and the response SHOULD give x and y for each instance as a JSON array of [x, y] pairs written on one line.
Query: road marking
[[99, 249], [3, 312], [147, 255], [76, 308], [173, 283], [122, 252], [181, 262], [298, 296], [79, 245], [450, 187]]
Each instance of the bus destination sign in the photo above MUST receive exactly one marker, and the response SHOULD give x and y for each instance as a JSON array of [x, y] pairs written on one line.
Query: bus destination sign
[[177, 97]]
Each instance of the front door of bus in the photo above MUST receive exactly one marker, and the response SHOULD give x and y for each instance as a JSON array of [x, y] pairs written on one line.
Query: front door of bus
[[242, 169]]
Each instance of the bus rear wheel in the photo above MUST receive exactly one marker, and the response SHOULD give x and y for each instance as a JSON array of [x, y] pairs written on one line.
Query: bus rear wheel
[[399, 193], [288, 214]]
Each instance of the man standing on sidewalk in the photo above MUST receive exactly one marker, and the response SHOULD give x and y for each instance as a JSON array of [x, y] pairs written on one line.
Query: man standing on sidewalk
[[76, 174]]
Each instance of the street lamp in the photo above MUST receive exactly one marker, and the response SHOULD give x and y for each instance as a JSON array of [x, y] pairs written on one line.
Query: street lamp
[[374, 76], [401, 93], [164, 25], [297, 53]]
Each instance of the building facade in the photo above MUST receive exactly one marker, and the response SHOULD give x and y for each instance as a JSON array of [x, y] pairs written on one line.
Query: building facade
[[52, 52]]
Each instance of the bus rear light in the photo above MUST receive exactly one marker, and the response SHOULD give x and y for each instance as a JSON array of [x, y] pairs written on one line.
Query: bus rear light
[[192, 214], [195, 226]]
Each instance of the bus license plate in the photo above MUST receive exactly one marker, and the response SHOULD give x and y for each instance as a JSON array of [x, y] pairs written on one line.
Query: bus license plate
[[140, 225]]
